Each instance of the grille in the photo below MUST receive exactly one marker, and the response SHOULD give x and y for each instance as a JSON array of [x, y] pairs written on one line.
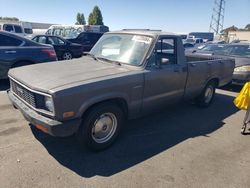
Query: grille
[[23, 93]]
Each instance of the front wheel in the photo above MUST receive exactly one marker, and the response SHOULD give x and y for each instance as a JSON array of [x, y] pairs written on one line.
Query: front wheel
[[101, 126], [206, 97]]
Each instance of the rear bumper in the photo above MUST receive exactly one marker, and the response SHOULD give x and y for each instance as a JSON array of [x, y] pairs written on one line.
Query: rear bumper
[[47, 125], [240, 78]]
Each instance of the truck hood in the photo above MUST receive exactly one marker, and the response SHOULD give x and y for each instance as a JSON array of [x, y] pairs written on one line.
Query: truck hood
[[48, 76]]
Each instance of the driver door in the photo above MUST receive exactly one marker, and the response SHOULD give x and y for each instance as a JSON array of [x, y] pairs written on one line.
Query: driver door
[[165, 78]]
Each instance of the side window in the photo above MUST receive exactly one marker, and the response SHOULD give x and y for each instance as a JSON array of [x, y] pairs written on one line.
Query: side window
[[42, 39], [9, 28], [84, 37], [51, 41], [9, 41], [60, 41], [18, 29], [166, 51], [48, 32], [96, 37], [35, 39], [55, 40]]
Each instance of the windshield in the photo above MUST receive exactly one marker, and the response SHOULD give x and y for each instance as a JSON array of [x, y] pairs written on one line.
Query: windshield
[[122, 48], [235, 50]]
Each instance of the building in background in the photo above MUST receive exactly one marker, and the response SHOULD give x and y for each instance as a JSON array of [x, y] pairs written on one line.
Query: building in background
[[238, 35]]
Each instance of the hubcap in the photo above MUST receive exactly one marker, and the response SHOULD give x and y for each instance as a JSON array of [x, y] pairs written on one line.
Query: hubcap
[[67, 56], [209, 94], [104, 127]]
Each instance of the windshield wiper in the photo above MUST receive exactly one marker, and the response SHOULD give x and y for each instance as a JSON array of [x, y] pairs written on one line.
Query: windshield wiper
[[108, 60], [91, 55]]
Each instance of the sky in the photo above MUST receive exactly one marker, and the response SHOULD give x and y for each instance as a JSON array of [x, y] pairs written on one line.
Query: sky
[[180, 16]]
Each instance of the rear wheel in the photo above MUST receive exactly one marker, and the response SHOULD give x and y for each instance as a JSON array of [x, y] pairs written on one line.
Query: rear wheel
[[101, 126], [206, 97], [67, 56]]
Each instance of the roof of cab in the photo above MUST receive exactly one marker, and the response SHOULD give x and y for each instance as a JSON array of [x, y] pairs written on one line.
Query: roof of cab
[[153, 33]]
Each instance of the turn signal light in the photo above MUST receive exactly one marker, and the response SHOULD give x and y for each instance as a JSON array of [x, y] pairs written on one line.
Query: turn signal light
[[42, 128], [68, 114]]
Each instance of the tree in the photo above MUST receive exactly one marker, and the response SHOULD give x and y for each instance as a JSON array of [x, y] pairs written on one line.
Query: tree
[[95, 17], [247, 27], [80, 19], [9, 18], [90, 19]]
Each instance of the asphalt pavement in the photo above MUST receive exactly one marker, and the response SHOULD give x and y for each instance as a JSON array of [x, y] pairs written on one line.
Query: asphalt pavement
[[182, 146]]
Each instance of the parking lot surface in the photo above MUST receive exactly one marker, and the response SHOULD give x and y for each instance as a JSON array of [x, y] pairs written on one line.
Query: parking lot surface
[[182, 146]]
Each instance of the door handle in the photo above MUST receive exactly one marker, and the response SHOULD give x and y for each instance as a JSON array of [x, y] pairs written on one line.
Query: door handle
[[209, 63], [193, 64], [10, 52]]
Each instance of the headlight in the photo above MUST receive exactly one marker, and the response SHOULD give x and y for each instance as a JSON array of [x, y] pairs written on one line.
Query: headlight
[[242, 69], [49, 103]]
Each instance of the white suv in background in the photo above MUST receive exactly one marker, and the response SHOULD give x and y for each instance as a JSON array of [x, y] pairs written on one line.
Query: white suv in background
[[13, 28]]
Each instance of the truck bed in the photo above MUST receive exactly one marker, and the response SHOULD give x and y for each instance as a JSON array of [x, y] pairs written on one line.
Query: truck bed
[[202, 68]]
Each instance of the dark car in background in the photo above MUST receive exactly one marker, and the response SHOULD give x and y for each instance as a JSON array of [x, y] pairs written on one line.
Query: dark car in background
[[86, 39], [16, 51], [65, 50]]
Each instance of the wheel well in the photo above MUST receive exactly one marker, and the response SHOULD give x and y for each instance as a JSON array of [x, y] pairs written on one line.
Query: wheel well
[[215, 80], [119, 101]]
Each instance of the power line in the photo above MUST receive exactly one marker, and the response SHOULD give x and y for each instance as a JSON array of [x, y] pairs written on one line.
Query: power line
[[217, 20]]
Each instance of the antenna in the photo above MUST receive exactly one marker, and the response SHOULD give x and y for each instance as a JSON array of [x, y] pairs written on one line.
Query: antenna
[[217, 20]]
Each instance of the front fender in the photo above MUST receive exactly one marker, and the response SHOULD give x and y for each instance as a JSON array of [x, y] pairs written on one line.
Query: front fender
[[97, 99]]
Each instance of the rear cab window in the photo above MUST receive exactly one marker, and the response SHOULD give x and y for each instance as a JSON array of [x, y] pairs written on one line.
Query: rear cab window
[[166, 51]]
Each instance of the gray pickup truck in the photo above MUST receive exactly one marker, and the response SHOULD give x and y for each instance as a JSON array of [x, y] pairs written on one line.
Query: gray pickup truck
[[127, 74]]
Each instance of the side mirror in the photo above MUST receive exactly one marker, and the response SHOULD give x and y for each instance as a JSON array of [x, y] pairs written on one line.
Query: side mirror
[[164, 61]]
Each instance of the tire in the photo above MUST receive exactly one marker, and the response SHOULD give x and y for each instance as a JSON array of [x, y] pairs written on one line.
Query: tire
[[207, 95], [101, 126], [21, 63], [67, 56]]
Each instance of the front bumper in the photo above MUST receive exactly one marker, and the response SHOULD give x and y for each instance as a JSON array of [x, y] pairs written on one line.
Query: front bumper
[[48, 125], [240, 78]]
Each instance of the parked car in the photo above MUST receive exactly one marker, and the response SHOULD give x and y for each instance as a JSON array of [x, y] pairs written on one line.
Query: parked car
[[206, 36], [188, 45], [65, 50], [93, 95], [16, 51], [208, 49], [194, 41], [241, 53], [13, 28], [86, 39]]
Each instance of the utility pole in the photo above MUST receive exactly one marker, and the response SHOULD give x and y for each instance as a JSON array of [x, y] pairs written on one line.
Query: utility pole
[[217, 20]]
